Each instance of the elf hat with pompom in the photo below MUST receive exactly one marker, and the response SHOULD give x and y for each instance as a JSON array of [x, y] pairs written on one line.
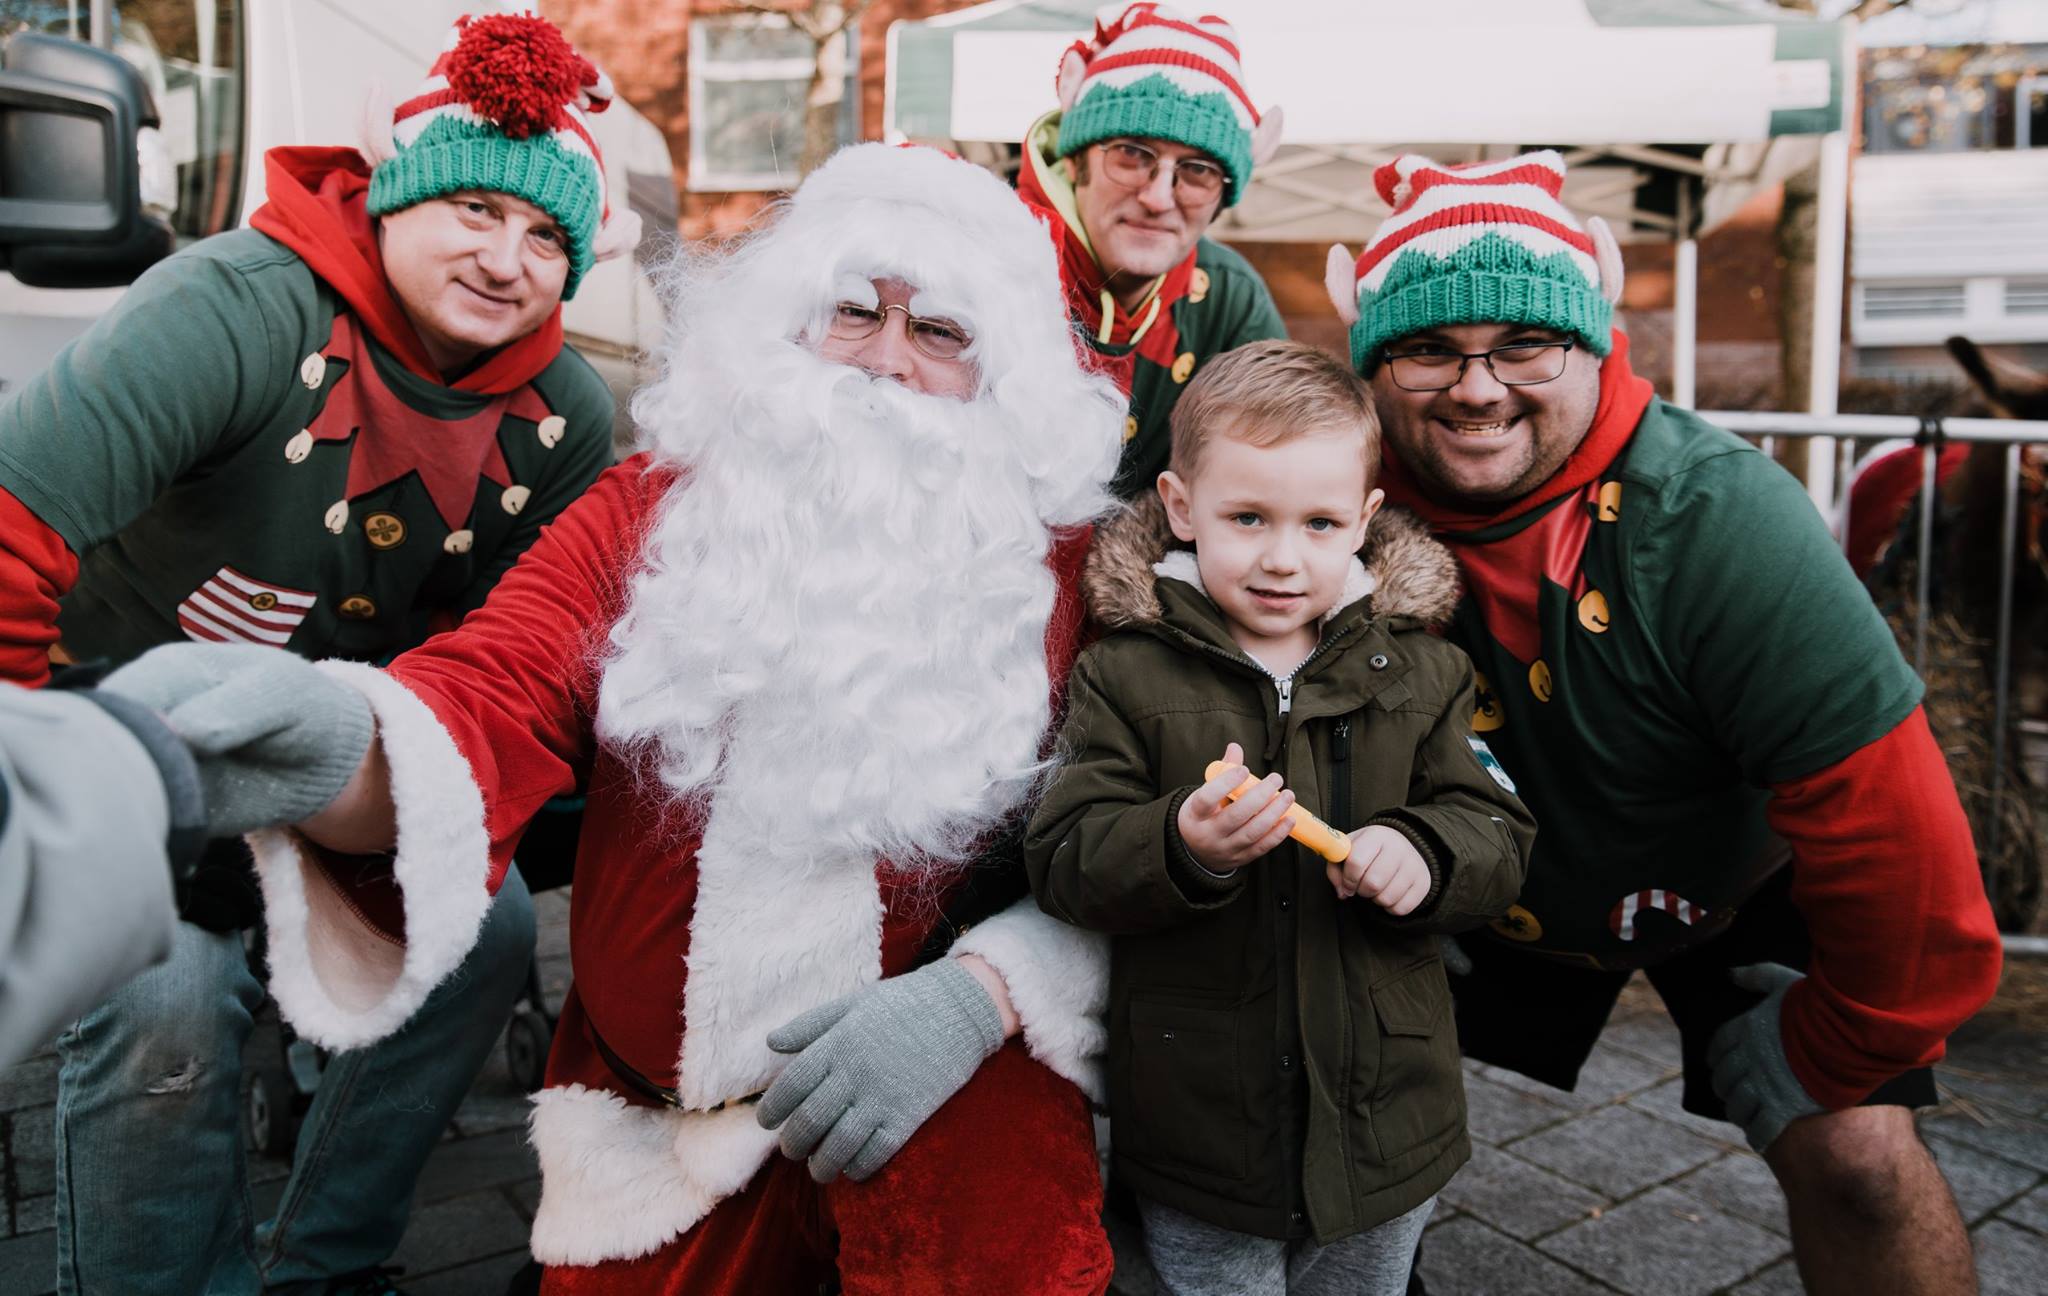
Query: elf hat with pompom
[[1151, 73], [506, 109], [1480, 243]]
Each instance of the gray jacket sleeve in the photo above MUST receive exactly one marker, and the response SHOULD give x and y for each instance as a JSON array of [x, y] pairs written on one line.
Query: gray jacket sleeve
[[85, 878]]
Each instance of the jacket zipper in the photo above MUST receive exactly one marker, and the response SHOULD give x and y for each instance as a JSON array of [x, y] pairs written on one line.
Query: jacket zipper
[[1340, 774]]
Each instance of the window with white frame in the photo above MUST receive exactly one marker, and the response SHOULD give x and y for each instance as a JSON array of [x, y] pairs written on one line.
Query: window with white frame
[[749, 75]]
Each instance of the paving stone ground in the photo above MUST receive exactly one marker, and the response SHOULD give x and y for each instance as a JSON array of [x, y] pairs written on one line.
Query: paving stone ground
[[1609, 1190]]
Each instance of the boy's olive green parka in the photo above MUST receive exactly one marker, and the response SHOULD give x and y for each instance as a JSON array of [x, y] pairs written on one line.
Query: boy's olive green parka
[[1281, 1062]]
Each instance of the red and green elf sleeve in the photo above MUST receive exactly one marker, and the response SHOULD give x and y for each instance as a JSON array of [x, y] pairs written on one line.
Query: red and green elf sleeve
[[1904, 945]]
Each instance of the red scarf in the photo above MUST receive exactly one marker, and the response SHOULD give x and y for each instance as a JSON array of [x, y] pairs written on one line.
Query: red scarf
[[1082, 280], [1623, 398], [319, 208]]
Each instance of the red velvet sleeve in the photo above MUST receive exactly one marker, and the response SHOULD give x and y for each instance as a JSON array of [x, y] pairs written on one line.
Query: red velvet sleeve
[[1904, 945], [36, 569], [515, 685]]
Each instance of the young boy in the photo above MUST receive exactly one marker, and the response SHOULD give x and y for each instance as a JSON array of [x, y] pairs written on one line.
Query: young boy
[[1284, 1083]]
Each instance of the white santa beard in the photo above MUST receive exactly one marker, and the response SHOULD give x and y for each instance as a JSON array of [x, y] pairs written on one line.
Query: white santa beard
[[849, 609], [838, 653]]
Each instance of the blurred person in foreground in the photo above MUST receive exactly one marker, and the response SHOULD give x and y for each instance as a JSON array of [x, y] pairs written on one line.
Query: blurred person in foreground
[[807, 649], [331, 433], [1737, 790]]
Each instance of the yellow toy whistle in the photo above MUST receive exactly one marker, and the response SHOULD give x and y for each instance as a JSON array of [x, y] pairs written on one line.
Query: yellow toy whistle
[[1302, 826]]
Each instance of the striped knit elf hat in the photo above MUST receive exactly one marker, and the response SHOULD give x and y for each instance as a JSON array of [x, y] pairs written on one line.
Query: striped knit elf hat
[[505, 109], [1150, 73], [1481, 243]]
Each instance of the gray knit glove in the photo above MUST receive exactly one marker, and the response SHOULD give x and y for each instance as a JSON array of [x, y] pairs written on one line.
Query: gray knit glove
[[872, 1066], [275, 739], [1751, 1073]]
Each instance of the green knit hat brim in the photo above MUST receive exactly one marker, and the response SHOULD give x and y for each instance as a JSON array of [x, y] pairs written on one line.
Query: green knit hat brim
[[1156, 108], [1491, 280], [452, 155]]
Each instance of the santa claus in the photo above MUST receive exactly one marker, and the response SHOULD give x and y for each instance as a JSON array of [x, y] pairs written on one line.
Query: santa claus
[[803, 652]]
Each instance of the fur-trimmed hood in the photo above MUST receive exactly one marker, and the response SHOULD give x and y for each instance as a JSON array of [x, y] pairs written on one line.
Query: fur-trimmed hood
[[1407, 573]]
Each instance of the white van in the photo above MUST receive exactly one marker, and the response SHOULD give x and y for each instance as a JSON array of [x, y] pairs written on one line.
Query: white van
[[232, 78]]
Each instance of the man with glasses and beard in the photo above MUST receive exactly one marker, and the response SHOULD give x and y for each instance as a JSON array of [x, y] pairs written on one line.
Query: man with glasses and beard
[[1735, 788], [1154, 136], [806, 648]]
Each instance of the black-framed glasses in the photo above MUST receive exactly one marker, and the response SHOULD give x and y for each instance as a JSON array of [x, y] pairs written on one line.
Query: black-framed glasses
[[1133, 166], [1518, 364], [941, 339]]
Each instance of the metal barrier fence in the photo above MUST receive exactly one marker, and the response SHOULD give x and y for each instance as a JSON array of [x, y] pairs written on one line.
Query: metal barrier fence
[[1930, 435]]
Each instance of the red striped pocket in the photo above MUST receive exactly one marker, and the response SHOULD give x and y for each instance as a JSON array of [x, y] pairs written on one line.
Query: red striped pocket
[[233, 608]]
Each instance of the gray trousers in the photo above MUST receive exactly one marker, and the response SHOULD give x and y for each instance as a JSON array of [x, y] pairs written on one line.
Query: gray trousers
[[1195, 1258]]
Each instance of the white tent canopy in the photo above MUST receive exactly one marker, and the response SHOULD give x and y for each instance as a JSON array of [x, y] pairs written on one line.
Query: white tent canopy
[[1671, 113]]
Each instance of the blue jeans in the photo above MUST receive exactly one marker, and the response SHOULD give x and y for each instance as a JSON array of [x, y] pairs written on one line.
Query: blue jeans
[[152, 1188]]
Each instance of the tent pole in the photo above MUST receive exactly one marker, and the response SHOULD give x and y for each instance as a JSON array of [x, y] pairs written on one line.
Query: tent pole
[[1685, 323], [1685, 303]]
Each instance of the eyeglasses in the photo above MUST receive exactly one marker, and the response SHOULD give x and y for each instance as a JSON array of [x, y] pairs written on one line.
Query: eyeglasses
[[1519, 364], [1133, 166], [941, 339]]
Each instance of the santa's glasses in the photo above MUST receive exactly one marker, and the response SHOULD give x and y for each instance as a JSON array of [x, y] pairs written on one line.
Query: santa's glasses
[[941, 339]]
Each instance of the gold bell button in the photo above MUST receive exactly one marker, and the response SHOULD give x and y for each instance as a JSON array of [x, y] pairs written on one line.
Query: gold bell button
[[1539, 680], [1608, 508], [1183, 366], [514, 498], [458, 542], [337, 516], [1518, 924], [1130, 426], [357, 607], [1198, 285], [312, 370], [551, 429], [296, 449], [1593, 612]]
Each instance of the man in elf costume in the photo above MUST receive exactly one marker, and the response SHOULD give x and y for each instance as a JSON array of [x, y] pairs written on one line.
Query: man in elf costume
[[328, 434], [806, 651], [1155, 134], [1736, 788]]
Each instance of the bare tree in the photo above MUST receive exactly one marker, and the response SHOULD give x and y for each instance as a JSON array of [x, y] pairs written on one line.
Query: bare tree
[[826, 23]]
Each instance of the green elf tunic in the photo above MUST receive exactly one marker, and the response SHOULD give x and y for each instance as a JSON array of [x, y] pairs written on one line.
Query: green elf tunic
[[1657, 649], [1691, 690], [230, 455], [1212, 302]]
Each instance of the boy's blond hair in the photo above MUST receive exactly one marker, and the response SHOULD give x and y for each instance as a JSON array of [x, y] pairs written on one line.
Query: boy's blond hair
[[1265, 393]]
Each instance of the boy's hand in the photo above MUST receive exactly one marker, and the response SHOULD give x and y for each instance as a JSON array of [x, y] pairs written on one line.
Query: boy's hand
[[1385, 868], [1225, 835]]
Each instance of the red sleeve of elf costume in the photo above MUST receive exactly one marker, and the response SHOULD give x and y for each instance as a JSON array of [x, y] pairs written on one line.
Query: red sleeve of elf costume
[[1904, 945], [516, 683], [36, 569]]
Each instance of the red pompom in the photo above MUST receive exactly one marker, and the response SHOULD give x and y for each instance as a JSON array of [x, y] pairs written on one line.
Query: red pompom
[[517, 71]]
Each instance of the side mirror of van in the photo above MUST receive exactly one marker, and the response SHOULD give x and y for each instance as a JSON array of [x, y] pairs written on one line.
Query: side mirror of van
[[70, 187]]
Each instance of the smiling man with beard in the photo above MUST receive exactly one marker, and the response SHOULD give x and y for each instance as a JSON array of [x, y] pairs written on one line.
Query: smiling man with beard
[[1735, 788], [807, 648]]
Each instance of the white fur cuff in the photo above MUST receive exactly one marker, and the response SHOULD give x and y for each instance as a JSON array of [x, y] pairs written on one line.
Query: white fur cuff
[[1058, 978], [619, 1182], [339, 981]]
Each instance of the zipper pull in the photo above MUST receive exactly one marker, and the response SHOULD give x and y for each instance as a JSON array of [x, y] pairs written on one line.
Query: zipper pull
[[1340, 742], [1286, 688]]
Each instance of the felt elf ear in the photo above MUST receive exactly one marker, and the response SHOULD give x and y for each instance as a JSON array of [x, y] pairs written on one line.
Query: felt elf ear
[[375, 139], [620, 235], [1607, 255], [1342, 284], [1073, 68], [1266, 139]]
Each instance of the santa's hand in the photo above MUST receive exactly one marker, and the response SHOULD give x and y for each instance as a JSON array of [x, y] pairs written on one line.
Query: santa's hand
[[1751, 1073], [276, 740], [872, 1067]]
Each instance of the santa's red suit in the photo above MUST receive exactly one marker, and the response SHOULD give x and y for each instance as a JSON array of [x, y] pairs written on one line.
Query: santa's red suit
[[699, 923]]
